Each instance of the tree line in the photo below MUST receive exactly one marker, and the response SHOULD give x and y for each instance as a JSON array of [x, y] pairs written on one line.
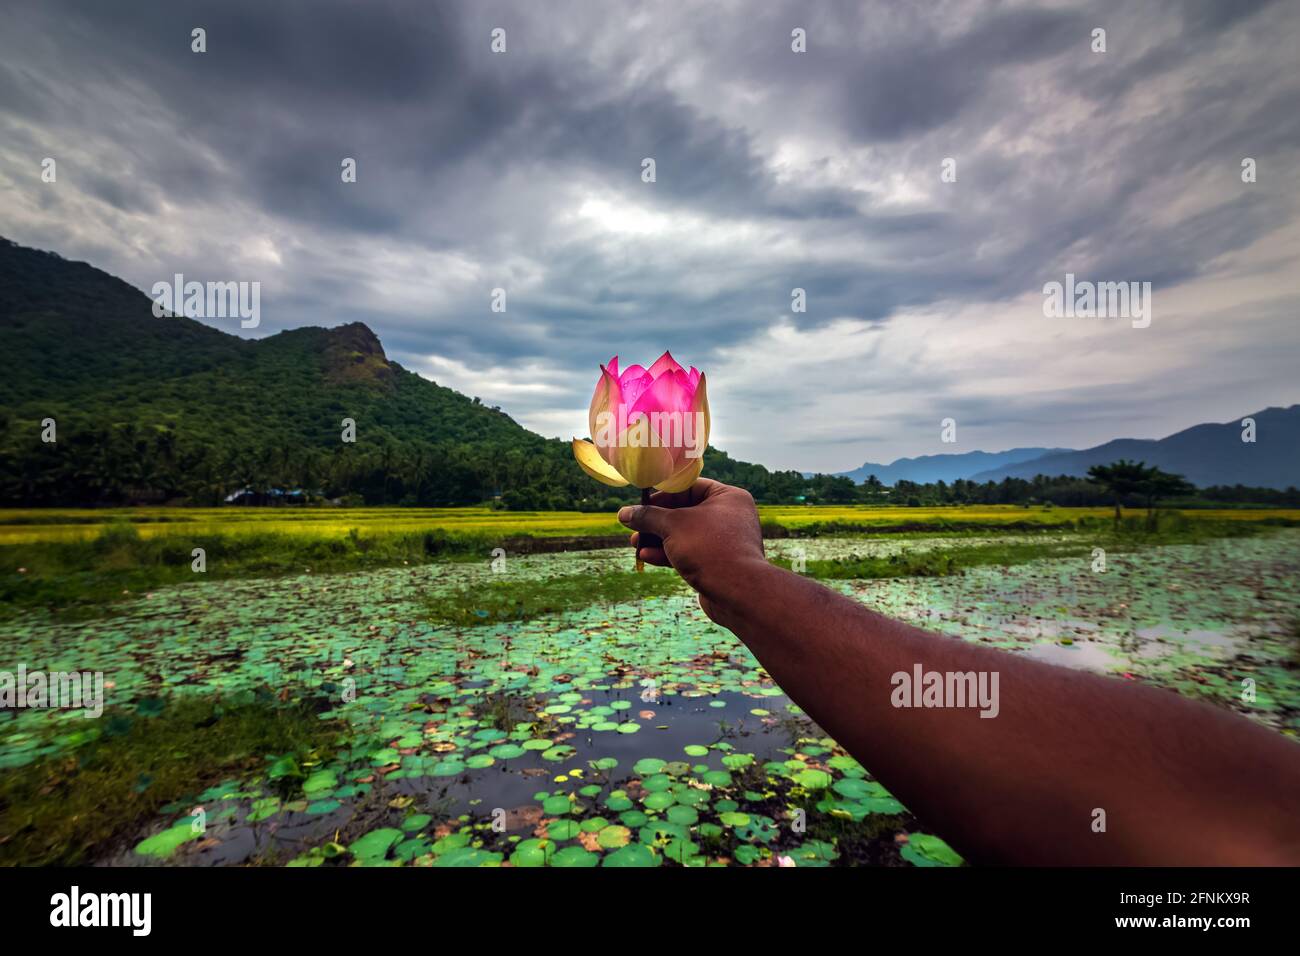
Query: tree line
[[128, 464]]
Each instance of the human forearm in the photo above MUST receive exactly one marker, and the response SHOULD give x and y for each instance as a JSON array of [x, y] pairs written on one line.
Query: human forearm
[[1023, 786]]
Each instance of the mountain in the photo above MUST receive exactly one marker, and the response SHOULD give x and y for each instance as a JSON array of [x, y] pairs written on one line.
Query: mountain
[[1208, 454], [150, 408], [78, 341], [949, 468]]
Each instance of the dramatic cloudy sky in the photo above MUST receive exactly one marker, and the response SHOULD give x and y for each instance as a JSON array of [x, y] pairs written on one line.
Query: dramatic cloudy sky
[[775, 170]]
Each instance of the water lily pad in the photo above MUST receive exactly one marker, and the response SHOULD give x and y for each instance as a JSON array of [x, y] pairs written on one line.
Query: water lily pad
[[632, 855], [469, 856], [575, 856], [658, 801], [924, 849], [618, 801], [813, 779], [374, 846], [166, 843], [657, 782], [533, 852], [613, 837], [683, 815], [322, 781], [563, 829], [680, 850]]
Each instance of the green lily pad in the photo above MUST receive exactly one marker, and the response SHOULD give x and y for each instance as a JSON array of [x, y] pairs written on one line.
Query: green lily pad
[[563, 829], [924, 849], [533, 852], [632, 855], [374, 846], [575, 856], [813, 779], [612, 837], [556, 806], [166, 843]]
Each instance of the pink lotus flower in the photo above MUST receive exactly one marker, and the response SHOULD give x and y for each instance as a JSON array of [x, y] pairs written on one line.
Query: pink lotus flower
[[649, 427]]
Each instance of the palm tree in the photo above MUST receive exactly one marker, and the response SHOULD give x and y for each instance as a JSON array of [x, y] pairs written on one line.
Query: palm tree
[[1162, 484], [1120, 478]]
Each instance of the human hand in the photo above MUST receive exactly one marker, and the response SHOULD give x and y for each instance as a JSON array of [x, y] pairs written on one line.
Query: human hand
[[709, 534]]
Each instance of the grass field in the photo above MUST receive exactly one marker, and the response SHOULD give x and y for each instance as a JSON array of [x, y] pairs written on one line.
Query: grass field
[[31, 526]]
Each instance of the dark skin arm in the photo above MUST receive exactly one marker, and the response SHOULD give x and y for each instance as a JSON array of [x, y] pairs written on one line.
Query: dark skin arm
[[1181, 782]]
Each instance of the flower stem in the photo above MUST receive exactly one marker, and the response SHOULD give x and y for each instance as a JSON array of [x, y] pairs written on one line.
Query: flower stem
[[645, 540]]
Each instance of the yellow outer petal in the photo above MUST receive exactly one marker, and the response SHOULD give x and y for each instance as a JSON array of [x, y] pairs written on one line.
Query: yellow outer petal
[[701, 404], [600, 402], [589, 460], [684, 478], [642, 463]]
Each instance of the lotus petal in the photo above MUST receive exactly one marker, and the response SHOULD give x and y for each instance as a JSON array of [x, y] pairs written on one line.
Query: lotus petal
[[604, 401], [684, 477], [700, 403], [665, 363], [639, 460], [589, 460]]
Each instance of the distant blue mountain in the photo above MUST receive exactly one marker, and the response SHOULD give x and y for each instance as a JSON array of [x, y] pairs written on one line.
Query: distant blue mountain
[[948, 468], [1210, 454]]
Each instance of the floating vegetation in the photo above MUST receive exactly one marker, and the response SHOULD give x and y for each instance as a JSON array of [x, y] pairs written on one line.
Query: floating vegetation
[[525, 599], [588, 719]]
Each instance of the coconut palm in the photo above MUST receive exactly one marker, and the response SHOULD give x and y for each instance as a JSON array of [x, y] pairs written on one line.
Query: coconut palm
[[1120, 478]]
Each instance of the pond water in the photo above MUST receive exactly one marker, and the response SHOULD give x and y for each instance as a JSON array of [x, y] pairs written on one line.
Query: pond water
[[631, 734]]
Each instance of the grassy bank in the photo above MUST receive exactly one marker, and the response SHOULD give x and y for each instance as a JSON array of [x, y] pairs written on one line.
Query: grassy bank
[[66, 809], [121, 563], [526, 599]]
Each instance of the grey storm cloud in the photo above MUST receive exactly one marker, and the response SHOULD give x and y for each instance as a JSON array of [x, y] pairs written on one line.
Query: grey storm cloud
[[775, 170]]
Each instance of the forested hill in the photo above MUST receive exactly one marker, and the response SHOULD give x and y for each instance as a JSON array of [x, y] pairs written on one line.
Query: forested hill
[[151, 408]]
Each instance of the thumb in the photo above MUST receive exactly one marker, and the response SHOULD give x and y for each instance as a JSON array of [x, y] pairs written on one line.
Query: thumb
[[649, 518]]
